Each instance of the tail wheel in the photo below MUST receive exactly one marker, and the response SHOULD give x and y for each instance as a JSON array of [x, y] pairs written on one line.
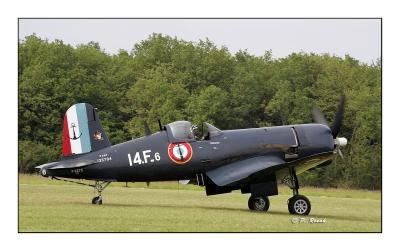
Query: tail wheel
[[299, 204], [97, 200], [260, 203]]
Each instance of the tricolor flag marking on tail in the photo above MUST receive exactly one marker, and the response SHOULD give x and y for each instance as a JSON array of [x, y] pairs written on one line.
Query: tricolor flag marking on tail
[[83, 132], [76, 131], [66, 150], [81, 112]]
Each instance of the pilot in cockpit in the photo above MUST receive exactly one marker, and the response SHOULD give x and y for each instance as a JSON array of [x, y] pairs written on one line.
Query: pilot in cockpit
[[194, 129]]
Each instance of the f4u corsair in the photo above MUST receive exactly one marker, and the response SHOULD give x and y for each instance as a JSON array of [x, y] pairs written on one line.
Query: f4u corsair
[[252, 160]]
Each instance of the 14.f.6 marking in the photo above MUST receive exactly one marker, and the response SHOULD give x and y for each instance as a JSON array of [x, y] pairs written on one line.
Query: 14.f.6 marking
[[143, 157]]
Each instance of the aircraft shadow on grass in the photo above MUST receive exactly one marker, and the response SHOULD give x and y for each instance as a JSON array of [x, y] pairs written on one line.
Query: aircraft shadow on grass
[[336, 217]]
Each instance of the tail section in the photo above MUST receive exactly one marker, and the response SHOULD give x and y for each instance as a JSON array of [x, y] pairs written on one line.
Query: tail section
[[82, 131]]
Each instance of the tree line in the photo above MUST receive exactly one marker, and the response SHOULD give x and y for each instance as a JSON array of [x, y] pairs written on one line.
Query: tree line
[[172, 79]]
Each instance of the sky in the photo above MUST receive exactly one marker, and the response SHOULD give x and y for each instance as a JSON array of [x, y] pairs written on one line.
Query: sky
[[360, 38]]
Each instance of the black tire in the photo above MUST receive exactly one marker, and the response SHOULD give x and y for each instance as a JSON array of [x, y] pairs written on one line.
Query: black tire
[[299, 204], [289, 203], [97, 200], [259, 203]]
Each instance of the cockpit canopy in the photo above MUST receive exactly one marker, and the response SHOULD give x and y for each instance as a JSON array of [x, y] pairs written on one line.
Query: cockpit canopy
[[180, 131]]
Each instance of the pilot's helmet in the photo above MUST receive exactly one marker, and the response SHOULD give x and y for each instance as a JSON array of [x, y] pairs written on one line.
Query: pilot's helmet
[[194, 128]]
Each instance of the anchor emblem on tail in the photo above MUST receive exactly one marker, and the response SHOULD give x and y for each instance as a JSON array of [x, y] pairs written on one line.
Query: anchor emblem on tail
[[73, 130]]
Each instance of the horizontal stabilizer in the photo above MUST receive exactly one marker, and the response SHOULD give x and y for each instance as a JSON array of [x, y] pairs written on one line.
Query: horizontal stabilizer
[[47, 165], [237, 171], [67, 164]]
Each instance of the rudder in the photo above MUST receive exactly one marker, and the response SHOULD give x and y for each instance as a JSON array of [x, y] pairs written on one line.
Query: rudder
[[82, 131]]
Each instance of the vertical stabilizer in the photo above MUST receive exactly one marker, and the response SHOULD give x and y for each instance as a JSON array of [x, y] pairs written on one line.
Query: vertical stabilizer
[[83, 132]]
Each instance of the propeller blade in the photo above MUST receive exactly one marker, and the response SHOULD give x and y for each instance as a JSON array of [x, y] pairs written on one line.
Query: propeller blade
[[337, 123], [318, 117], [340, 153]]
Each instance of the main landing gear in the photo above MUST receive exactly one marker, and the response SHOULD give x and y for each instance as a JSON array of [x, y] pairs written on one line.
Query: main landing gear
[[99, 186], [298, 204], [260, 203]]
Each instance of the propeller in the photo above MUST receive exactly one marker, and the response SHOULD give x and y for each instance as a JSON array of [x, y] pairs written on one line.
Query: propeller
[[319, 118], [338, 121]]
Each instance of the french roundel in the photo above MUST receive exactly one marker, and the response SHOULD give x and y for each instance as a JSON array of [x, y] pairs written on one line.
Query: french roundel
[[180, 153]]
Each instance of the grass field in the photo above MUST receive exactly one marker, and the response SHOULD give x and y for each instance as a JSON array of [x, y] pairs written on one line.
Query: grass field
[[53, 206]]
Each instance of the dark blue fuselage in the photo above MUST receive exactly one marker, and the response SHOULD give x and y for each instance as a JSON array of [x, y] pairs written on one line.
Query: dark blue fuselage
[[148, 158]]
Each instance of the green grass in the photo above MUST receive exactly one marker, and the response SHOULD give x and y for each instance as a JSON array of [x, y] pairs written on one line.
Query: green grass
[[52, 206]]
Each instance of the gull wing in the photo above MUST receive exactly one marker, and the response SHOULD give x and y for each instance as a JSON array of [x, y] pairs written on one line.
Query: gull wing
[[247, 169]]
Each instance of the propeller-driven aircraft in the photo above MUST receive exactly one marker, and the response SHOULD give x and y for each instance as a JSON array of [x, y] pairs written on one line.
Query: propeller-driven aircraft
[[251, 160]]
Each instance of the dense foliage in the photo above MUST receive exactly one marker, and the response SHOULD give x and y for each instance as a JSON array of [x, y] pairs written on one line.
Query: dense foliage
[[178, 80]]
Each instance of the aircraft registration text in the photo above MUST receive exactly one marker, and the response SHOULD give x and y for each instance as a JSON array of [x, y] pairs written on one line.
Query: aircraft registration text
[[146, 157]]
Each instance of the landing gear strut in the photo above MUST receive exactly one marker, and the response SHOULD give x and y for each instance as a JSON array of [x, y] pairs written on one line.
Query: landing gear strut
[[298, 204], [99, 186]]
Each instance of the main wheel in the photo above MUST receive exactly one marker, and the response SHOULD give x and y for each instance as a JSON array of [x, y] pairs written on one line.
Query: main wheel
[[299, 204], [260, 203], [97, 200]]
